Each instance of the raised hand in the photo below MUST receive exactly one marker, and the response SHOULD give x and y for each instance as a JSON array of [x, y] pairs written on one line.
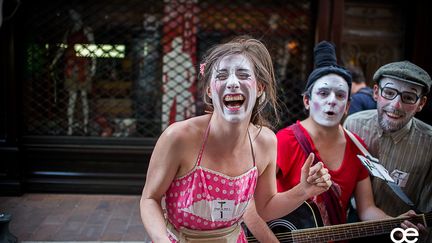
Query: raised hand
[[314, 179]]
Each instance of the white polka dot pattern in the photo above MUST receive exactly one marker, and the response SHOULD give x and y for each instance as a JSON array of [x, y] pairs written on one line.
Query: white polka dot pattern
[[188, 199]]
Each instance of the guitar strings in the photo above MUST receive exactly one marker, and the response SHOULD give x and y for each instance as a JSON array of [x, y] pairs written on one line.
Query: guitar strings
[[362, 227], [338, 232]]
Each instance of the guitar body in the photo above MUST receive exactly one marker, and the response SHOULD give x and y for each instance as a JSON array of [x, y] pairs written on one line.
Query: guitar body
[[305, 216]]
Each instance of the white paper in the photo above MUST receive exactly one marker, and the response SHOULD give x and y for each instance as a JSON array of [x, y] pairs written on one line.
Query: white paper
[[375, 168], [222, 209], [400, 177]]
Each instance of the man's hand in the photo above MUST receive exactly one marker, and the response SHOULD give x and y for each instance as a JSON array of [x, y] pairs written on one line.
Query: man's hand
[[423, 231]]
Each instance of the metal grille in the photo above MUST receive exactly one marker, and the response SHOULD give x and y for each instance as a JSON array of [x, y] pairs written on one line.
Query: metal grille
[[129, 68]]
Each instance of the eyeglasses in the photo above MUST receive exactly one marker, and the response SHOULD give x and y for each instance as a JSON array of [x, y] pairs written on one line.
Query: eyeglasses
[[406, 97]]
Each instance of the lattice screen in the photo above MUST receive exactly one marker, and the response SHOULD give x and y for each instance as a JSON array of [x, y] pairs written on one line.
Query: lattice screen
[[128, 68]]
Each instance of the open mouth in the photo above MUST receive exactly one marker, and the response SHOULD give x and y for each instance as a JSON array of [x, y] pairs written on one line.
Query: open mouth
[[233, 101], [393, 113], [330, 113]]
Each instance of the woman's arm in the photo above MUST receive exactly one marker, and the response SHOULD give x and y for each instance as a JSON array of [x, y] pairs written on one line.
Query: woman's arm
[[163, 167], [257, 226], [270, 204], [314, 181]]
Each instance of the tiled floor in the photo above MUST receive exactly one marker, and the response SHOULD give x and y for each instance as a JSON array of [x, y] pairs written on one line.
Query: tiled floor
[[73, 217]]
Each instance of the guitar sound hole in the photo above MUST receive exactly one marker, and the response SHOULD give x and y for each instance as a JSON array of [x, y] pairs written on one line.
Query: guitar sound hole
[[281, 226]]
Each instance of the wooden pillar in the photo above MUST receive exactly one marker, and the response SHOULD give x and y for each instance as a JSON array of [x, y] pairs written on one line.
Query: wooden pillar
[[330, 22], [418, 48], [421, 36]]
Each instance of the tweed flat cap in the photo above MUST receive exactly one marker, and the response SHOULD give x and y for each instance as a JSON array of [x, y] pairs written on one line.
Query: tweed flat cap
[[404, 71]]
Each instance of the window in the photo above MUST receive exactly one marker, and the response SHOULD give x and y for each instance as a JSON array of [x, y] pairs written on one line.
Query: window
[[129, 68]]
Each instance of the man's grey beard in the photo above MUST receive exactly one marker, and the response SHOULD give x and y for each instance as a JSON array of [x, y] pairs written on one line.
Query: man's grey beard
[[388, 126]]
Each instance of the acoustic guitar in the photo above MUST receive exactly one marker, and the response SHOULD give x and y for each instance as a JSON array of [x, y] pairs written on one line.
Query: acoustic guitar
[[305, 225]]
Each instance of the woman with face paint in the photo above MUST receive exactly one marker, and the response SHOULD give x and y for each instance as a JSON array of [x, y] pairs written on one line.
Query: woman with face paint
[[326, 97], [206, 169]]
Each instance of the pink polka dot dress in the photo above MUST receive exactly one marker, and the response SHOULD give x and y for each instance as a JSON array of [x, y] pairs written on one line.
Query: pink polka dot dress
[[205, 199]]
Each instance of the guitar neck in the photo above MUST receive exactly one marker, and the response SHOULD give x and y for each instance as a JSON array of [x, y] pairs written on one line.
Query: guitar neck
[[352, 230]]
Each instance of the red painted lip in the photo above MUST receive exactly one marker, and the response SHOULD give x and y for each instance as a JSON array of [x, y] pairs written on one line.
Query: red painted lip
[[233, 109]]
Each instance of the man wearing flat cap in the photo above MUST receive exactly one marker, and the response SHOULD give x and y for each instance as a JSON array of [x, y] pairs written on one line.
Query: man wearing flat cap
[[401, 142]]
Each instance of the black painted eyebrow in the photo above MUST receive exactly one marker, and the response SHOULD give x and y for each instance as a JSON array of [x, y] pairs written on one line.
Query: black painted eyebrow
[[338, 90], [243, 70], [223, 70], [416, 90]]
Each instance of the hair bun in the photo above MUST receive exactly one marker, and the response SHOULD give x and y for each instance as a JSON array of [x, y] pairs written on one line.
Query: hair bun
[[324, 55], [326, 63]]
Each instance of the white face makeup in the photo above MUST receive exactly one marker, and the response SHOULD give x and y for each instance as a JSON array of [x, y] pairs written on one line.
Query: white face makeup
[[233, 88], [394, 114], [328, 101]]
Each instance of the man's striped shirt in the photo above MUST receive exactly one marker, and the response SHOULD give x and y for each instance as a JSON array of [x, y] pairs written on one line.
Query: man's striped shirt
[[408, 150]]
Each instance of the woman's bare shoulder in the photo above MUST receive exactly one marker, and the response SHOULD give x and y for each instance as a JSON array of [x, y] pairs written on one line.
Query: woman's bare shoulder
[[265, 144], [185, 132], [264, 136]]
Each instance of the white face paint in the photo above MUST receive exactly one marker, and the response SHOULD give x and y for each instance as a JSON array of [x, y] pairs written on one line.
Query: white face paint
[[328, 101], [394, 114], [233, 88]]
